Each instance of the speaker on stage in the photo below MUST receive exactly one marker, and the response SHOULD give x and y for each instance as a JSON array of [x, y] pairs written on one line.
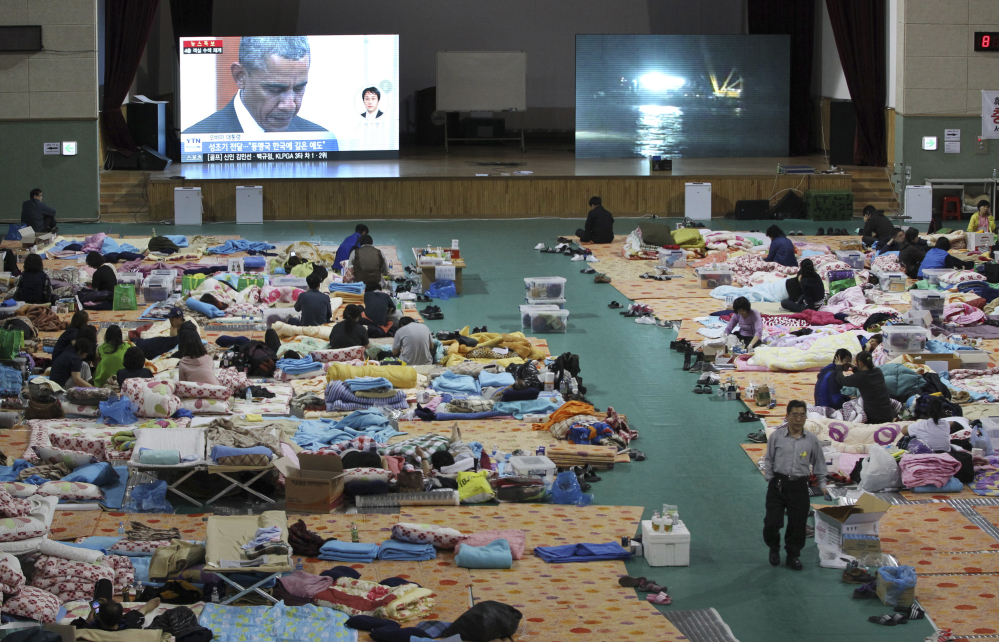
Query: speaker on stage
[[752, 210], [118, 161], [842, 132], [151, 160], [791, 206]]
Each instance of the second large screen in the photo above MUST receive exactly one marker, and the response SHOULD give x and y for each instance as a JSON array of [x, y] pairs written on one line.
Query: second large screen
[[681, 96], [289, 98]]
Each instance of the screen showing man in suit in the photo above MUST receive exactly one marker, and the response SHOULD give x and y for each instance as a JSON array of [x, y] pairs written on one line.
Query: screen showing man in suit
[[288, 97]]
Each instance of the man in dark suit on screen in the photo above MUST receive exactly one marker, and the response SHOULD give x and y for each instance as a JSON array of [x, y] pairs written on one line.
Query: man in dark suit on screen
[[271, 74]]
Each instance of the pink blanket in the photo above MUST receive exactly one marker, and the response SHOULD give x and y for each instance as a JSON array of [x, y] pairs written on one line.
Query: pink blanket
[[928, 470], [962, 314]]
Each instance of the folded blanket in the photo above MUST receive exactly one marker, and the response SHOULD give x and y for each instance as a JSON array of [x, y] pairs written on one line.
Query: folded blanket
[[952, 486], [259, 453], [581, 553], [395, 550], [340, 397], [450, 382], [928, 470], [368, 383], [159, 457], [299, 366], [495, 554], [489, 380], [348, 552]]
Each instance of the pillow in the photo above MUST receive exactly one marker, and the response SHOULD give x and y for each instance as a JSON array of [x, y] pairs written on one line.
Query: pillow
[[192, 390], [127, 546], [439, 536], [366, 474], [13, 529], [515, 537], [68, 579], [152, 397], [341, 354], [71, 458], [19, 489], [11, 577], [207, 406], [74, 410], [33, 603], [98, 474], [95, 445], [655, 234], [71, 490], [232, 378], [961, 276], [206, 309]]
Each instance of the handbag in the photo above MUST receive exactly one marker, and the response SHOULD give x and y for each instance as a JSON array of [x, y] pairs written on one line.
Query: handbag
[[124, 297]]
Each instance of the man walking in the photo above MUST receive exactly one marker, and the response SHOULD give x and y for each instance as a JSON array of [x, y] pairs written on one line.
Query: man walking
[[792, 456]]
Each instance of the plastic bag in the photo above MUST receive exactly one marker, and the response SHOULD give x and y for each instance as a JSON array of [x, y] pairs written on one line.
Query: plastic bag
[[980, 440], [473, 488], [117, 411], [486, 621], [124, 297], [566, 490], [13, 233], [899, 580], [149, 498], [443, 290], [880, 471]]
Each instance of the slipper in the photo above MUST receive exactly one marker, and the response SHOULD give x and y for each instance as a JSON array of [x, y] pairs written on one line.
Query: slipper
[[910, 612], [698, 389], [628, 581], [659, 598], [614, 305], [588, 270], [866, 592], [636, 455], [648, 586], [707, 389], [885, 620], [601, 278]]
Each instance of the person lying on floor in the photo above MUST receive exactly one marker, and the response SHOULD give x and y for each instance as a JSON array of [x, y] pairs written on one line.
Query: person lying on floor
[[805, 291], [750, 323], [599, 226], [939, 258], [108, 615], [781, 248], [875, 402]]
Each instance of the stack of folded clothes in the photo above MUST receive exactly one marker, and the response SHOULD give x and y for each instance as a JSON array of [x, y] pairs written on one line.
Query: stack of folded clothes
[[348, 552], [299, 367], [340, 397], [395, 550]]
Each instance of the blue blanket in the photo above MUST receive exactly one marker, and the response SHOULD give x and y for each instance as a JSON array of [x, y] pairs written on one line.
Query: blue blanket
[[490, 380], [314, 434], [581, 553], [406, 551], [368, 383], [349, 288], [495, 554], [527, 407], [228, 451], [348, 552], [298, 366], [307, 623], [451, 382], [240, 245]]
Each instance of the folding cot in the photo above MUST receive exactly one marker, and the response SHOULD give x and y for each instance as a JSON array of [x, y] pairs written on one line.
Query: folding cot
[[224, 554], [190, 442]]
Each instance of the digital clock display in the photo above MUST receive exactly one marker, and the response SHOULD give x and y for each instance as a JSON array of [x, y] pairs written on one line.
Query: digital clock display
[[987, 41]]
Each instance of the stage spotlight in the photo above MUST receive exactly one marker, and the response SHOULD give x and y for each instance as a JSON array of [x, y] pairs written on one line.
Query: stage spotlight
[[656, 81]]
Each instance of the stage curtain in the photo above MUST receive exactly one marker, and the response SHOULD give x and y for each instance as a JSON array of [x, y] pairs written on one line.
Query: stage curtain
[[127, 24], [859, 29], [191, 19], [795, 18]]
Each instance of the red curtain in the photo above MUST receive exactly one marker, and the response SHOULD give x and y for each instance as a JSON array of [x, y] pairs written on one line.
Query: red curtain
[[795, 18], [127, 24], [859, 28]]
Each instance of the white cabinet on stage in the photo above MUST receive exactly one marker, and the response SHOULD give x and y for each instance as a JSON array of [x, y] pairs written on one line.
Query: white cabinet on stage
[[187, 206], [249, 204], [697, 201], [919, 203]]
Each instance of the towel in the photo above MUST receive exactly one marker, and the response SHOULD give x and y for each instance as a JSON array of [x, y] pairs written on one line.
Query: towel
[[495, 554], [490, 380], [229, 451], [397, 551], [368, 383], [581, 553], [239, 245], [299, 366], [451, 382], [349, 288], [348, 552], [159, 457]]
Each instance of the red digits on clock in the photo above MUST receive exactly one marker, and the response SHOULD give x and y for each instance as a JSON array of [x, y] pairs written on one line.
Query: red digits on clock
[[985, 41]]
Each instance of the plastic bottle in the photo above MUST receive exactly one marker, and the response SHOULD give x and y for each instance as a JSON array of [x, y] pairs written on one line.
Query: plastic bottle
[[657, 521], [354, 536], [299, 566], [121, 528], [215, 595], [249, 395]]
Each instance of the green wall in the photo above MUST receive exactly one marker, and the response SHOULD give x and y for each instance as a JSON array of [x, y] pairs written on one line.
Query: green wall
[[71, 183], [909, 132]]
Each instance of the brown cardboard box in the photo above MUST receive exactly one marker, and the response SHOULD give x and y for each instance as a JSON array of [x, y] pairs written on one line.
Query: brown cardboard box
[[908, 596], [832, 523], [316, 486], [857, 545], [952, 359]]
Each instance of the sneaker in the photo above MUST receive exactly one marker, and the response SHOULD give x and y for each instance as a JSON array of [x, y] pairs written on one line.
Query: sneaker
[[866, 591], [592, 259], [857, 575], [758, 437], [588, 270], [578, 257], [645, 320], [539, 246]]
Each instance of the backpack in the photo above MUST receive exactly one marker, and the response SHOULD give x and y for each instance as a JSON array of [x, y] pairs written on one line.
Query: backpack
[[260, 359], [233, 359]]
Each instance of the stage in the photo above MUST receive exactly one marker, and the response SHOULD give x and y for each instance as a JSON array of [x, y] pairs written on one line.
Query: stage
[[468, 182]]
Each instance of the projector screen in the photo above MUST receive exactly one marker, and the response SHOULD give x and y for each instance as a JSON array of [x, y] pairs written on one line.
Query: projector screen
[[681, 96], [274, 98]]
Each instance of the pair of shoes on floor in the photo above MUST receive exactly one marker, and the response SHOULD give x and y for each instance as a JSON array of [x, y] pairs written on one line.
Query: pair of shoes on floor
[[586, 473], [646, 319], [423, 298], [432, 313], [888, 620], [641, 584], [662, 599], [853, 574], [637, 310], [588, 270], [748, 416], [709, 379], [702, 389], [477, 330], [634, 455], [614, 305], [681, 345], [655, 277], [758, 437], [601, 278]]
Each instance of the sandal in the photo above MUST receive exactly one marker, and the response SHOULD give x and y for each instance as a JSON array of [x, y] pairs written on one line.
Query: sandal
[[614, 305], [660, 598], [636, 455], [748, 416], [648, 586], [628, 581]]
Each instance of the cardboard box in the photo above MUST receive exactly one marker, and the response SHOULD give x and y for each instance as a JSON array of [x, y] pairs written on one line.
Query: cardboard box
[[857, 545], [980, 241], [952, 359], [832, 523], [316, 486], [908, 596]]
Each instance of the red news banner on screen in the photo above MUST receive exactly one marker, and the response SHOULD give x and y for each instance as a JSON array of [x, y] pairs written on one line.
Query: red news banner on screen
[[271, 98]]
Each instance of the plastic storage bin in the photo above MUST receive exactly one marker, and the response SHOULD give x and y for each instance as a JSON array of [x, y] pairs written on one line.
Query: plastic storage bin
[[904, 338], [133, 278], [558, 303], [932, 275], [990, 426], [929, 300], [892, 281], [712, 278], [289, 281], [525, 313], [853, 258], [666, 548], [535, 465], [672, 259], [548, 321], [157, 288], [545, 287]]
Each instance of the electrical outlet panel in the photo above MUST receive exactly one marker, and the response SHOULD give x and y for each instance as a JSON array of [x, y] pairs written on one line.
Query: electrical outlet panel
[[982, 147]]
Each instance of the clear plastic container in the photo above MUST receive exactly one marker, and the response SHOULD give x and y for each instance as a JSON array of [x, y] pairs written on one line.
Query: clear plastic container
[[525, 313], [904, 338], [672, 259], [534, 465], [892, 281], [711, 278], [932, 275], [558, 303], [133, 278], [929, 300], [545, 287], [853, 258], [548, 321], [288, 280], [157, 288]]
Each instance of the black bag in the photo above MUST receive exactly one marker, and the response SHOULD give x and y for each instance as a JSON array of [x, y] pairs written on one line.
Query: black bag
[[232, 359], [486, 621], [966, 474], [260, 359], [989, 270]]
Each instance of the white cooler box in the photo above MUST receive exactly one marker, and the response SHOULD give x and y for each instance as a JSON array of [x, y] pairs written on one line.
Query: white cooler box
[[666, 549]]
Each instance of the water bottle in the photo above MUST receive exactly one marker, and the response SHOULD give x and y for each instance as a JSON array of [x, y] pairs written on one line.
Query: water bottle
[[121, 528], [215, 595], [354, 536], [249, 395], [299, 566]]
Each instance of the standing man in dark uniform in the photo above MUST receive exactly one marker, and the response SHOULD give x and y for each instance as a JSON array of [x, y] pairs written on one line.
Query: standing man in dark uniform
[[792, 455], [599, 224]]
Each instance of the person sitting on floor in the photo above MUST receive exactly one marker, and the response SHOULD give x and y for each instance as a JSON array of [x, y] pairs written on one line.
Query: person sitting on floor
[[827, 390], [195, 364], [804, 291], [110, 355], [350, 332], [67, 370], [378, 306], [911, 252], [875, 402], [313, 304], [413, 343], [939, 258], [895, 244], [79, 321], [877, 227], [348, 245], [105, 278], [133, 365], [368, 262], [750, 323], [34, 285], [781, 248], [983, 220], [37, 215], [108, 615], [934, 431], [599, 226]]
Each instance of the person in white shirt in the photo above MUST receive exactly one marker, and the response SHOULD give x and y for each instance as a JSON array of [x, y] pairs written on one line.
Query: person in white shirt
[[935, 431]]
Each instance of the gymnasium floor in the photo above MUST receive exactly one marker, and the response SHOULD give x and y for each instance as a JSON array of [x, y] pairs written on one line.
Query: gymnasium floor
[[693, 443]]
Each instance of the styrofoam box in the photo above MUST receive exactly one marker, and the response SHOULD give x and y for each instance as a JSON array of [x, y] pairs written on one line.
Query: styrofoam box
[[711, 279], [165, 272], [990, 426], [535, 465], [672, 259], [558, 303], [932, 275], [666, 549], [980, 241], [525, 310], [904, 338], [540, 321], [545, 287], [928, 300], [157, 288], [973, 359], [853, 258]]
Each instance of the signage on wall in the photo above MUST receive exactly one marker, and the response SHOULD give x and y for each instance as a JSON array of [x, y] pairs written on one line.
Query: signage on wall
[[930, 143], [952, 147], [52, 149], [952, 134], [990, 114], [69, 148]]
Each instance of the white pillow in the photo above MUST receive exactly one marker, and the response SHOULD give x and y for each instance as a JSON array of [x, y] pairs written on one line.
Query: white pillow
[[71, 458], [19, 489], [71, 490]]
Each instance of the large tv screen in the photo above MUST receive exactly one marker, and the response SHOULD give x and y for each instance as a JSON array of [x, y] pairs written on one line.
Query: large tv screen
[[681, 96], [272, 98]]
